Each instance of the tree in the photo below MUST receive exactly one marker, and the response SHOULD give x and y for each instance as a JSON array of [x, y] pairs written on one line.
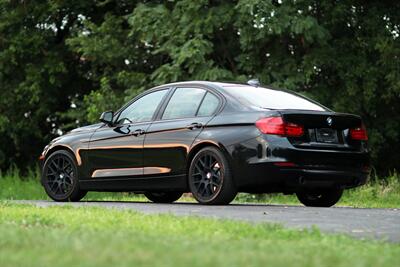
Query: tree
[[63, 62]]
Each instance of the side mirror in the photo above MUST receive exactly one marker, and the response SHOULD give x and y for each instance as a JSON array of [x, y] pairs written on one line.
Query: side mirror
[[107, 117]]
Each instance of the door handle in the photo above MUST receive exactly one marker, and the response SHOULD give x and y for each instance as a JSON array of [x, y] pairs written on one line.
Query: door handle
[[138, 132], [194, 125]]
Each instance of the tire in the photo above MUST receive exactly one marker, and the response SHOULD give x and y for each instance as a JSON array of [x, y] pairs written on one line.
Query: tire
[[210, 178], [163, 197], [60, 177], [320, 198]]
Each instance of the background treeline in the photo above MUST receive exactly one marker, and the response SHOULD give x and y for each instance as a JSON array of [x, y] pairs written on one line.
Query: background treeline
[[63, 62]]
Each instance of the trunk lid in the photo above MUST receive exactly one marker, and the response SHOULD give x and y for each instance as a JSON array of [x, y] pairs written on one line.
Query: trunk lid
[[323, 129]]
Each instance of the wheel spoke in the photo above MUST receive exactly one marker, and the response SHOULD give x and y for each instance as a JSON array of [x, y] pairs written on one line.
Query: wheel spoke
[[60, 175], [213, 162], [52, 187], [203, 163], [65, 164], [67, 167], [57, 188], [203, 190], [210, 189], [68, 181], [207, 191], [215, 175], [50, 168], [54, 165], [197, 174], [207, 160], [206, 176], [215, 184], [58, 159]]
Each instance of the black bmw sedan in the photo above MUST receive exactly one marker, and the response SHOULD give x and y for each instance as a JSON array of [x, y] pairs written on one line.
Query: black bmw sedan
[[213, 140]]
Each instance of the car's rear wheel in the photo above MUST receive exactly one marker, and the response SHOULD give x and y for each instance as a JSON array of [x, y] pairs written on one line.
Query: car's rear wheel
[[163, 197], [210, 178], [320, 198], [60, 177]]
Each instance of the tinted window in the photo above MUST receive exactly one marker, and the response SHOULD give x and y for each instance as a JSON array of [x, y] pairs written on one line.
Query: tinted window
[[184, 103], [272, 99], [143, 108], [209, 105]]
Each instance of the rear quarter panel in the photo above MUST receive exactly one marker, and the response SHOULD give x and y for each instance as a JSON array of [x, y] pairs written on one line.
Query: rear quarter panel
[[234, 134]]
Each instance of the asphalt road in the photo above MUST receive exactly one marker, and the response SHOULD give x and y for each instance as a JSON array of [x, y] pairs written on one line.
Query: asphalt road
[[362, 223]]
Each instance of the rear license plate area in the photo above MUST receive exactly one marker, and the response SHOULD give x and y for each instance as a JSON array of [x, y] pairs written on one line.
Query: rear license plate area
[[326, 135]]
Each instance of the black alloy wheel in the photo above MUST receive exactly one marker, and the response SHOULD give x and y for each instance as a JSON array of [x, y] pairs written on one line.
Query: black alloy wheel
[[163, 197], [210, 178], [60, 179], [320, 197]]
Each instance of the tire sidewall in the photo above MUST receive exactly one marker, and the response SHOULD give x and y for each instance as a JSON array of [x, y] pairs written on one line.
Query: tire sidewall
[[165, 197], [75, 190], [329, 197], [226, 174]]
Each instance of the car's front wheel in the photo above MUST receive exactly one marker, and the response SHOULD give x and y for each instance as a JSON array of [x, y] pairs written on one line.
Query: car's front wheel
[[210, 178], [163, 197], [320, 198], [60, 177]]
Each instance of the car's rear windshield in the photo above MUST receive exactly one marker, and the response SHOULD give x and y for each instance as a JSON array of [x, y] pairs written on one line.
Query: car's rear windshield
[[272, 99]]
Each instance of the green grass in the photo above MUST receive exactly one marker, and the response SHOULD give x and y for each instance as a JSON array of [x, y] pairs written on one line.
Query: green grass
[[378, 193], [66, 236]]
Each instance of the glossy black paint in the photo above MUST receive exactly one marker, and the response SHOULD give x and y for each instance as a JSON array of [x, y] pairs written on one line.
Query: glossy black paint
[[114, 150], [155, 155]]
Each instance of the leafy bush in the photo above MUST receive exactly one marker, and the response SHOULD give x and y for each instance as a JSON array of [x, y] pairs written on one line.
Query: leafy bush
[[63, 62]]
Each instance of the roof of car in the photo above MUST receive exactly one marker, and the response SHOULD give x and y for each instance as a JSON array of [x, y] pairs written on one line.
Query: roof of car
[[207, 83]]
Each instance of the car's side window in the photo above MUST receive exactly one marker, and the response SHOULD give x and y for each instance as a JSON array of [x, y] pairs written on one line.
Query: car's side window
[[184, 103], [142, 109], [209, 105]]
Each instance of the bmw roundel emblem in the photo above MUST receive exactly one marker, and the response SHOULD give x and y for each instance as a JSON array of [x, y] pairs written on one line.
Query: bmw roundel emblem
[[329, 121]]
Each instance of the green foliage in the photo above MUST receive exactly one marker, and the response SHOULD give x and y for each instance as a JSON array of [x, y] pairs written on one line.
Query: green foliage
[[63, 62]]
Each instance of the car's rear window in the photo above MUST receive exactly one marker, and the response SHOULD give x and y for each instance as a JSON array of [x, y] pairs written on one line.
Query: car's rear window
[[272, 99]]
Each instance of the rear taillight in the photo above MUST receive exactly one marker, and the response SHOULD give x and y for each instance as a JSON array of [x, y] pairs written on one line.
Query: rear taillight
[[276, 125], [359, 133]]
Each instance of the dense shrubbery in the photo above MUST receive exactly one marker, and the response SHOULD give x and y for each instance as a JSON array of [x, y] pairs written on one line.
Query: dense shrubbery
[[63, 62]]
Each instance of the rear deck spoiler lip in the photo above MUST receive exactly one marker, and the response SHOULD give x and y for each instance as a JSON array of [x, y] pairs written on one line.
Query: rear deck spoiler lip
[[316, 112]]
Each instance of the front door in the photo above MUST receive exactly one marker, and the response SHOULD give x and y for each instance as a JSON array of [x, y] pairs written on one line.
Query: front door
[[117, 151]]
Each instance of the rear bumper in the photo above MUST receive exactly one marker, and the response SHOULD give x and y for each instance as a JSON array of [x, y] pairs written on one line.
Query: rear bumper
[[309, 178], [266, 178], [260, 165]]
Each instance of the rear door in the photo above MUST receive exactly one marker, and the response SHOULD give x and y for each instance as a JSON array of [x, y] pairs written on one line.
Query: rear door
[[169, 138]]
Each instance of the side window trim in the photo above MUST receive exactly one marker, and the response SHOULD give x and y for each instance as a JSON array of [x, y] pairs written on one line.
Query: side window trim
[[159, 118], [161, 104], [221, 102], [201, 102], [172, 91], [165, 101], [127, 105]]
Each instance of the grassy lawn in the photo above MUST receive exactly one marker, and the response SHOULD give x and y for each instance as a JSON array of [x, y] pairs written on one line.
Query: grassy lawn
[[66, 236], [376, 194]]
